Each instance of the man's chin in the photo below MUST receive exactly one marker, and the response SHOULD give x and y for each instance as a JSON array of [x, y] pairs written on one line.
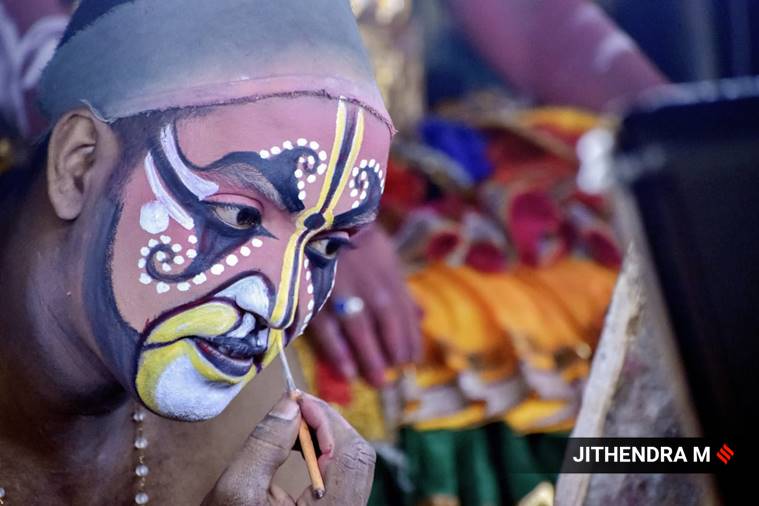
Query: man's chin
[[182, 393]]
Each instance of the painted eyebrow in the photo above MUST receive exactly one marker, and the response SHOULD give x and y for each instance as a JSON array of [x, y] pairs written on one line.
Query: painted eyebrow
[[355, 218], [250, 178], [278, 184]]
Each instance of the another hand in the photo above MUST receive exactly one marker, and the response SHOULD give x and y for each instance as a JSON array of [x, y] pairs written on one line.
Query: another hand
[[346, 463], [386, 331]]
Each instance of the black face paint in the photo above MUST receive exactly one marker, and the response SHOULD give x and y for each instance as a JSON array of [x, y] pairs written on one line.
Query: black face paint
[[367, 211], [117, 340], [217, 238]]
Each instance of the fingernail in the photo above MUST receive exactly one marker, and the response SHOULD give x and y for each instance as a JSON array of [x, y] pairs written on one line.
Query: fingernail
[[285, 409]]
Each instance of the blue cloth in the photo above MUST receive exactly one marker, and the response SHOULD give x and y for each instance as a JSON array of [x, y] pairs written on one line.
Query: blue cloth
[[462, 143]]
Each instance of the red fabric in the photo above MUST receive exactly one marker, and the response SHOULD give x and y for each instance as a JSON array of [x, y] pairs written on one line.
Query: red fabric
[[330, 385]]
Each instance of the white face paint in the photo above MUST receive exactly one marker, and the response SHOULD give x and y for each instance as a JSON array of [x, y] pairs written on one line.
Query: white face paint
[[154, 217], [183, 393], [176, 211], [250, 294], [199, 187]]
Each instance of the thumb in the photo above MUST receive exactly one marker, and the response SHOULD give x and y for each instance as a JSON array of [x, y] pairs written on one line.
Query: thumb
[[269, 445], [248, 478]]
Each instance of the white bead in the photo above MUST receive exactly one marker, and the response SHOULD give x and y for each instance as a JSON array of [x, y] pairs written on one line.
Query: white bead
[[142, 470], [141, 498], [141, 443]]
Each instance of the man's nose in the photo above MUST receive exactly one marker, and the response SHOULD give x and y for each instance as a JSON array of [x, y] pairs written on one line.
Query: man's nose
[[288, 291], [253, 294]]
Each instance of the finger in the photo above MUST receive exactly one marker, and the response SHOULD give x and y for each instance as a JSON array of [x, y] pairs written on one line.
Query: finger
[[397, 316], [409, 315], [316, 417], [248, 479], [278, 497], [391, 334], [359, 332], [332, 345], [349, 468]]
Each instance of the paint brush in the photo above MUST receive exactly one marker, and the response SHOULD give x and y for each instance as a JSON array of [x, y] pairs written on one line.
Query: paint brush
[[304, 434]]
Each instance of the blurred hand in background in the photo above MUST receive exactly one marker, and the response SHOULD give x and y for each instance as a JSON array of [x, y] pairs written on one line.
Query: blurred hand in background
[[370, 323]]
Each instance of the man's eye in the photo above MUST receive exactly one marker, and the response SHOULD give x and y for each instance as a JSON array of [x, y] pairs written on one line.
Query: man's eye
[[239, 217], [328, 247]]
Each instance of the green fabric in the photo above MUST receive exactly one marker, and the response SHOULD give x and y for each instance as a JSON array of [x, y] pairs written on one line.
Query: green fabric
[[486, 466]]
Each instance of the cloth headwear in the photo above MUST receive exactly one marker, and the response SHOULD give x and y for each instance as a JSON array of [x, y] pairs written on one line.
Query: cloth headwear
[[123, 57]]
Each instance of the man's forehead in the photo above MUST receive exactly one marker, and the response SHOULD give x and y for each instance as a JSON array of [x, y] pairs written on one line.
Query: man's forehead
[[306, 155], [271, 125]]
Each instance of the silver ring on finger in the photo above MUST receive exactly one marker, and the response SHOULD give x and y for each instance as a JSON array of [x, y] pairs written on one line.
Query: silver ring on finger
[[345, 307]]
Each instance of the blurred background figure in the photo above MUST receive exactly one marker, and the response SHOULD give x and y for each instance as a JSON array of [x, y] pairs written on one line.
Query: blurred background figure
[[510, 266]]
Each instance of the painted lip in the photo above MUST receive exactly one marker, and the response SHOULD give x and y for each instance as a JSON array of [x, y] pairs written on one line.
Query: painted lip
[[237, 351], [230, 330]]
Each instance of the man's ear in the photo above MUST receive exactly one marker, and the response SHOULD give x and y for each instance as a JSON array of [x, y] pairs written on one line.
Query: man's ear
[[75, 143]]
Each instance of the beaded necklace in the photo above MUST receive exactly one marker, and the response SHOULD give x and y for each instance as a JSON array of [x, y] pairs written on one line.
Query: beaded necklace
[[141, 469]]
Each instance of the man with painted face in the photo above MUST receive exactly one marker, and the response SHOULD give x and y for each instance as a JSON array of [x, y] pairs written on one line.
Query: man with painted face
[[205, 164]]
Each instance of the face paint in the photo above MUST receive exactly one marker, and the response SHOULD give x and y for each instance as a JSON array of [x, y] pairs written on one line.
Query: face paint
[[222, 242]]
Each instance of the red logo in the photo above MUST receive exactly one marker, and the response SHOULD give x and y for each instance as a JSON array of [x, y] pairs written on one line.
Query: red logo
[[725, 454]]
